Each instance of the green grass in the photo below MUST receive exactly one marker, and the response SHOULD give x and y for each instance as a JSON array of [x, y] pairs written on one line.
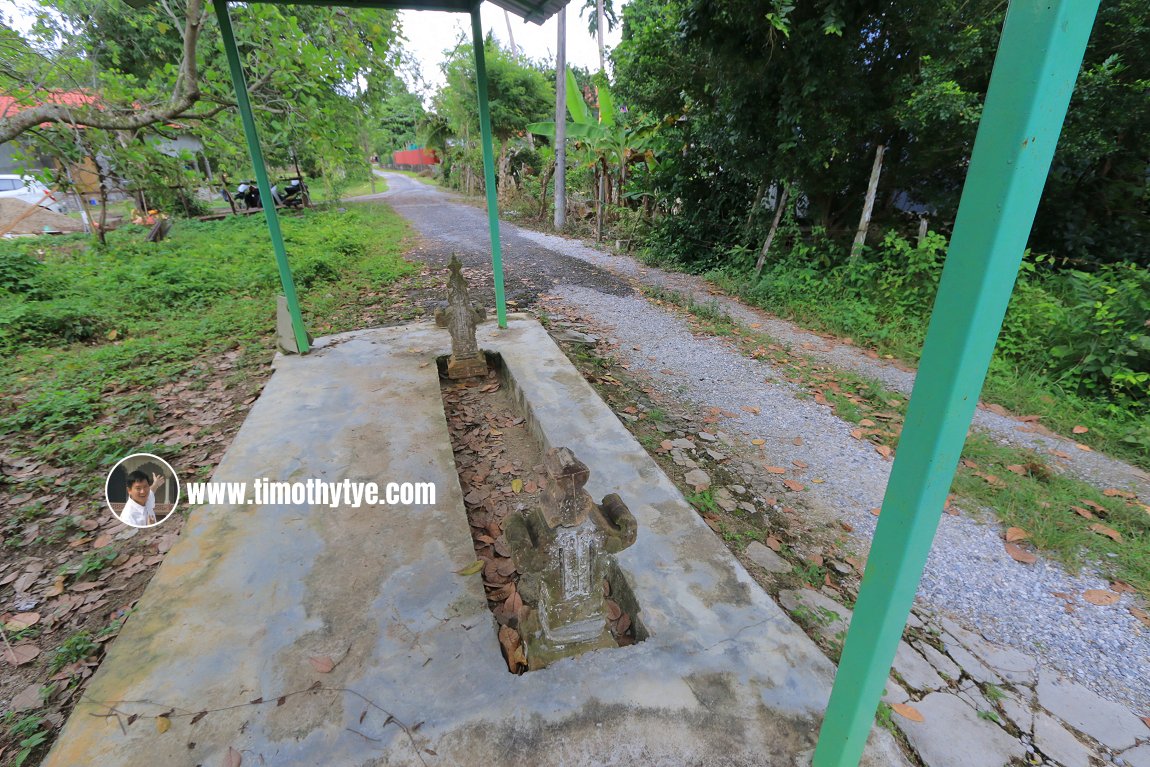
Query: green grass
[[1118, 429], [89, 333]]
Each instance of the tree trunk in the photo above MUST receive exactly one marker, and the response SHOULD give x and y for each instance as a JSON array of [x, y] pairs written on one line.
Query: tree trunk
[[560, 217], [923, 226], [755, 205], [774, 228], [548, 172], [868, 205], [599, 22], [102, 181]]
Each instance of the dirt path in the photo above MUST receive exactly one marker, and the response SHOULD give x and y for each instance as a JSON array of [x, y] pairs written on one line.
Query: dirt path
[[968, 577]]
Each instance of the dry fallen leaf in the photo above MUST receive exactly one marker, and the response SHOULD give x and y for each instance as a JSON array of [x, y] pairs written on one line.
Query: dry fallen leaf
[[1084, 513], [1080, 430], [758, 441], [1016, 534], [798, 441], [1019, 554], [883, 450], [323, 664], [472, 568], [1017, 469], [791, 484], [1143, 616], [773, 543], [1100, 596], [751, 409], [21, 621], [516, 485], [1111, 492], [20, 654], [776, 470], [232, 758], [907, 712], [1109, 532], [875, 511], [163, 723]]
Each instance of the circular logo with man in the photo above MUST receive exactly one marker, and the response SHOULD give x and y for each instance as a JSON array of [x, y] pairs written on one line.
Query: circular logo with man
[[142, 490]]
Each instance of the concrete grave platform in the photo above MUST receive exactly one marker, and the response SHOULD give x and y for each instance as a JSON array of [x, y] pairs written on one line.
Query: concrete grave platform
[[249, 593]]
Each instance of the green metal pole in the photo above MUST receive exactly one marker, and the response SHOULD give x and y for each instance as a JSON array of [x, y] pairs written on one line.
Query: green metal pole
[[488, 165], [1043, 42], [257, 155]]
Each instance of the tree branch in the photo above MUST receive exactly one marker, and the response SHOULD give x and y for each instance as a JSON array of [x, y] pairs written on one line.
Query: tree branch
[[185, 94]]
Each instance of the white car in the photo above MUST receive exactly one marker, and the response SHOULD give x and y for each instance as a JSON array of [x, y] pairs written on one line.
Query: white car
[[29, 190]]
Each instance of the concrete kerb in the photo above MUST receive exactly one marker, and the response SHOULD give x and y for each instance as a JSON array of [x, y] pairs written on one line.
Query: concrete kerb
[[250, 593]]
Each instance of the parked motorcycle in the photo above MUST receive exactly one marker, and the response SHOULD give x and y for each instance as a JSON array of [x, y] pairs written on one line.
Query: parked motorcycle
[[294, 194]]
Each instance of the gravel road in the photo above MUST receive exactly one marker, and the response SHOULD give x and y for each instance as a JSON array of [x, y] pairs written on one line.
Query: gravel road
[[968, 575]]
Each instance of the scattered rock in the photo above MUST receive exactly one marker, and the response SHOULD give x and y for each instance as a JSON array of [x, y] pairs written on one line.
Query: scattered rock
[[575, 337], [831, 618], [1108, 723], [698, 479], [767, 559], [914, 669], [682, 444], [947, 722], [706, 436], [1052, 739], [725, 500], [716, 455]]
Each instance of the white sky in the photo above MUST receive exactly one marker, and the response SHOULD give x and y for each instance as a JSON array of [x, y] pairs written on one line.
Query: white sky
[[430, 33]]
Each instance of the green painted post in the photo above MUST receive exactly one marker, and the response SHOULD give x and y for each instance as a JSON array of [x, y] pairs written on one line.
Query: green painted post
[[1043, 42], [257, 155], [488, 165]]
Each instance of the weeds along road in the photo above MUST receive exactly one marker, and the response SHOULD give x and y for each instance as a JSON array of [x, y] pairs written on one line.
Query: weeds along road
[[968, 577]]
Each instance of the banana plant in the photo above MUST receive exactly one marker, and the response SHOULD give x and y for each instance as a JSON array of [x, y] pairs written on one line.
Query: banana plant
[[607, 143]]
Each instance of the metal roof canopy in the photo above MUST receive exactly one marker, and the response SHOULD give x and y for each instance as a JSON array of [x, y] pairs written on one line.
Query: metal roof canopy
[[299, 340], [537, 12]]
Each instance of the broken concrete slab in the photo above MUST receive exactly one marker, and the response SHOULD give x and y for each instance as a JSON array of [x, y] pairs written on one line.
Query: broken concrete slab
[[1012, 665], [952, 735], [915, 671], [968, 662], [941, 662], [767, 559], [1137, 757], [1109, 723], [1053, 740], [249, 593], [1018, 712]]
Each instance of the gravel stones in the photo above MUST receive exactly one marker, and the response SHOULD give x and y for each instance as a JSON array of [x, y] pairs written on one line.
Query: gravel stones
[[1108, 723], [952, 735], [698, 479]]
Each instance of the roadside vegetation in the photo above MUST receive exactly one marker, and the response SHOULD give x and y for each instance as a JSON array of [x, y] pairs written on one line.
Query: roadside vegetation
[[138, 347], [1041, 507]]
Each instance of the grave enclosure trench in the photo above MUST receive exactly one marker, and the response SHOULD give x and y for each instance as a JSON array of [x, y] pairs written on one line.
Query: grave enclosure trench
[[499, 456]]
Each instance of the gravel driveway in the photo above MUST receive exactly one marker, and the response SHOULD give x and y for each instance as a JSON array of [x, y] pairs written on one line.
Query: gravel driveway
[[968, 575]]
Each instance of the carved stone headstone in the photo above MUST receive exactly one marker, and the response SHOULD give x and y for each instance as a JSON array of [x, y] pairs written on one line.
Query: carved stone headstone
[[460, 317], [562, 550]]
